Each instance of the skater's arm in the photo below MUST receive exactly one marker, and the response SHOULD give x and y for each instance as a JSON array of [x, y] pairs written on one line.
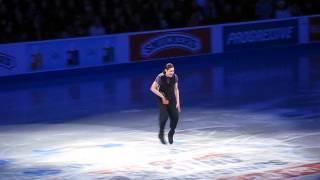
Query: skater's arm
[[176, 92], [155, 89]]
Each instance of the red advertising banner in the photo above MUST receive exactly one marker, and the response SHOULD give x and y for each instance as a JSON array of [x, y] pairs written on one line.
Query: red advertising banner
[[314, 28], [148, 46], [314, 68]]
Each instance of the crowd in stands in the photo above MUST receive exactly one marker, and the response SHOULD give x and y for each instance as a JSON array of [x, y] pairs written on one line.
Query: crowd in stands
[[31, 20]]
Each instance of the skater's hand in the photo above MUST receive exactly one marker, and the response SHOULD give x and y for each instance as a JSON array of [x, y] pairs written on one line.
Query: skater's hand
[[178, 107], [165, 101]]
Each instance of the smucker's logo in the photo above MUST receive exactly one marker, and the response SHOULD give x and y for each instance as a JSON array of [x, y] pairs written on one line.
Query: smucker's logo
[[170, 41], [7, 61]]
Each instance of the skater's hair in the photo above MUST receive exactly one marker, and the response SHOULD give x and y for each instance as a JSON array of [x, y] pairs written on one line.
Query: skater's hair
[[168, 66]]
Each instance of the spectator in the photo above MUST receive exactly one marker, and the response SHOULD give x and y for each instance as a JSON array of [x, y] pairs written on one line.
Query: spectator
[[264, 9], [282, 9], [30, 20], [97, 28]]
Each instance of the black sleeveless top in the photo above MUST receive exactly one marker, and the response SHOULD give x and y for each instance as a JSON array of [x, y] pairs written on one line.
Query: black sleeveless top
[[166, 85]]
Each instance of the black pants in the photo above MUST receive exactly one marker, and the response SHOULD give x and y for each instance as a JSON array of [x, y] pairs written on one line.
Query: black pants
[[167, 111]]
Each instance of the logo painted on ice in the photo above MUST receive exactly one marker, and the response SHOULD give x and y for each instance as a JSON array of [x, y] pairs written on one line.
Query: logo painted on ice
[[3, 162], [41, 172], [172, 40], [7, 61], [284, 173]]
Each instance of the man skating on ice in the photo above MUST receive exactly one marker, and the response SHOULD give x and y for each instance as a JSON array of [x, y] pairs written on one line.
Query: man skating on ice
[[166, 88]]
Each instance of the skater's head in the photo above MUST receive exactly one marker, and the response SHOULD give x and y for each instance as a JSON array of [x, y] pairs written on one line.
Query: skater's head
[[169, 70]]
